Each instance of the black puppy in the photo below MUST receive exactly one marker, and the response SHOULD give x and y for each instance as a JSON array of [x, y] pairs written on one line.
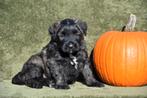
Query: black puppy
[[60, 63]]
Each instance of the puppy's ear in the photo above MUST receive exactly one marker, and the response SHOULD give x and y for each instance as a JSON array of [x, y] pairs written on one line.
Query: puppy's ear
[[82, 26], [54, 29]]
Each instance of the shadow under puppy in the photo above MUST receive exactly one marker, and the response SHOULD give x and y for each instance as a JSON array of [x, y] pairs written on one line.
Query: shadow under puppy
[[62, 61]]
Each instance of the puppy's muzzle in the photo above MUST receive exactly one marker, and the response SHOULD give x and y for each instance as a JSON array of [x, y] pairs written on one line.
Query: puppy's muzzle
[[70, 47]]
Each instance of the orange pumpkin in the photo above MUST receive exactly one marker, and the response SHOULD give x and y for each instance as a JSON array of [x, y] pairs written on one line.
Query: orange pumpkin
[[121, 58]]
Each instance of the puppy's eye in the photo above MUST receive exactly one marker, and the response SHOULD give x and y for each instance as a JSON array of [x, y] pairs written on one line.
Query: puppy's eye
[[62, 34]]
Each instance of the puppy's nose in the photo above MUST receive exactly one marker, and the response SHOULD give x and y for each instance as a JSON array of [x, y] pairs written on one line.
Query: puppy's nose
[[70, 45]]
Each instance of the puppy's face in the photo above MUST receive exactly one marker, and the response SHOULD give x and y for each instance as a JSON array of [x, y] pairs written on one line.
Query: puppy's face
[[69, 35], [70, 39]]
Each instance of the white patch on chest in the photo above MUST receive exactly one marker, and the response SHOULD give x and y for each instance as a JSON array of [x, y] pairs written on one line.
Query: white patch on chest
[[44, 76], [74, 62]]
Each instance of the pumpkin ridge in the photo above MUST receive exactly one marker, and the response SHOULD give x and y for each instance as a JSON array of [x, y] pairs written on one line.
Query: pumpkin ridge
[[124, 54], [121, 56], [141, 58], [99, 43], [126, 57], [124, 60], [143, 66], [105, 52], [98, 56], [145, 52], [101, 56], [113, 59], [138, 57]]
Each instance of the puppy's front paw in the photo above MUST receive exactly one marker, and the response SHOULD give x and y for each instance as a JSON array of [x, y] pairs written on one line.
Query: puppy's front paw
[[17, 79], [62, 86], [33, 84], [95, 84]]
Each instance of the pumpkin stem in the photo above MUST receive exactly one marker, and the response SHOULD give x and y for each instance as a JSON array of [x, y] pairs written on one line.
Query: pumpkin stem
[[131, 23]]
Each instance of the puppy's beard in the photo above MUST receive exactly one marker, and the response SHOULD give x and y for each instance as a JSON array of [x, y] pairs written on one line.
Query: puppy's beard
[[66, 49], [70, 51]]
